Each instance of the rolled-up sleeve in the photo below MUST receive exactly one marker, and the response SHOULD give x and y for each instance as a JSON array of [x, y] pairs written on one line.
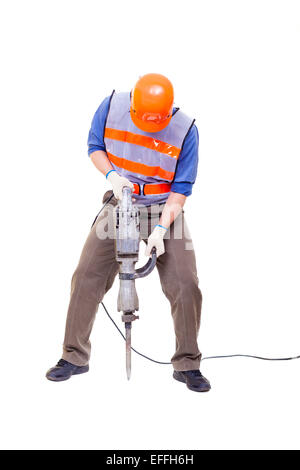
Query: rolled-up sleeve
[[96, 133], [186, 170]]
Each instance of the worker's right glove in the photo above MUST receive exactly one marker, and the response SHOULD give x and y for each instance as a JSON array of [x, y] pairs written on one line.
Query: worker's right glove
[[156, 239], [118, 182]]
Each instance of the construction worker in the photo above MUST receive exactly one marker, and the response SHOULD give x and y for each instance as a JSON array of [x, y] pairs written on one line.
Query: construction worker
[[141, 140]]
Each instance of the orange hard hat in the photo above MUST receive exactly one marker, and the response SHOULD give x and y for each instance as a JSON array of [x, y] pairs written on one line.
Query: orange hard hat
[[152, 102]]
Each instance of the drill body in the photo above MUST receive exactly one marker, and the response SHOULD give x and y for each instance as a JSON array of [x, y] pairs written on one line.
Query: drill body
[[127, 241]]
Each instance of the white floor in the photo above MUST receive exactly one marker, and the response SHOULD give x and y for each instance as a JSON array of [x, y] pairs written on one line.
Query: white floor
[[252, 405]]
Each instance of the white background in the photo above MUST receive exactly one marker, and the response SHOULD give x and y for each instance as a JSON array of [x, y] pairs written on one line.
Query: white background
[[235, 68]]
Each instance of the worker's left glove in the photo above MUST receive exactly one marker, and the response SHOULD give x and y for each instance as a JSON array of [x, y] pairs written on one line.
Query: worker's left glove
[[156, 240]]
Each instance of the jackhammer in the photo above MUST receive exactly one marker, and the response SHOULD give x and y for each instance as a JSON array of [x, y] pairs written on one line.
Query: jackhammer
[[127, 241]]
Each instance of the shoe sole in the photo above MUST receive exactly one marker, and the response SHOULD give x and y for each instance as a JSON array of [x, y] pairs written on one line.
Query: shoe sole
[[190, 387], [63, 379]]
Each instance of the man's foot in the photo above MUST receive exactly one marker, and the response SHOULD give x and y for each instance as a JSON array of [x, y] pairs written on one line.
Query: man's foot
[[193, 379], [64, 370]]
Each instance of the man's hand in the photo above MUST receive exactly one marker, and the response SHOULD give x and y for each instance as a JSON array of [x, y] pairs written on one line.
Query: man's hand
[[118, 183], [156, 240]]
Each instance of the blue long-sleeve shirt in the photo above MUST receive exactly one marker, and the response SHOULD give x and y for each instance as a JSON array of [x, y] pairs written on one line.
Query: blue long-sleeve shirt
[[186, 170]]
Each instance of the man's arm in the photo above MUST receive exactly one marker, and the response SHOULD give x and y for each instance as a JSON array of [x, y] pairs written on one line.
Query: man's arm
[[172, 209], [101, 161], [97, 151]]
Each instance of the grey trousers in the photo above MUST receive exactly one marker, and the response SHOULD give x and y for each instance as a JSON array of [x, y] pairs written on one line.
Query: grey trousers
[[98, 268]]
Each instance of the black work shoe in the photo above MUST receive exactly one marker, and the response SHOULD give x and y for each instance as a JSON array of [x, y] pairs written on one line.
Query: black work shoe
[[64, 370], [193, 379]]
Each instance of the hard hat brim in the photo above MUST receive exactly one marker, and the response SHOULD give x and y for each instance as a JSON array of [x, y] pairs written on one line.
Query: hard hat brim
[[148, 126]]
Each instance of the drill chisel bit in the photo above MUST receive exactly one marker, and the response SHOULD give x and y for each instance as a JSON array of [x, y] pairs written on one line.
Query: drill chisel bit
[[128, 349]]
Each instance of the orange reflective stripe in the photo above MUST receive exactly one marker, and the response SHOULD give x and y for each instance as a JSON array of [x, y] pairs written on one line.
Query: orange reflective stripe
[[156, 188], [143, 141], [141, 168], [136, 188]]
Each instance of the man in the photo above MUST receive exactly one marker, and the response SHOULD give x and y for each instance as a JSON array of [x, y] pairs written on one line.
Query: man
[[140, 140]]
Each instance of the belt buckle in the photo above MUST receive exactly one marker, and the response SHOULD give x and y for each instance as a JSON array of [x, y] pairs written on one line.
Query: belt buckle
[[138, 188]]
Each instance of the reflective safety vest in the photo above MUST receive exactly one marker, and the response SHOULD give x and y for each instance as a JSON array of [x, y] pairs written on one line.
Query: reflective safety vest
[[147, 159]]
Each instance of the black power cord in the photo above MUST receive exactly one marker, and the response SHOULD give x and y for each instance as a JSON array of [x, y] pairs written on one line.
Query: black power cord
[[204, 358], [137, 352]]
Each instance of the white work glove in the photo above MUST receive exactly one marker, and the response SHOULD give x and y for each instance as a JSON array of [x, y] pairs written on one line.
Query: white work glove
[[156, 240], [118, 182]]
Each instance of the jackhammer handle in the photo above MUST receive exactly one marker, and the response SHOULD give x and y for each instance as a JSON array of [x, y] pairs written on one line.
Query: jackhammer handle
[[127, 189], [141, 272], [149, 266]]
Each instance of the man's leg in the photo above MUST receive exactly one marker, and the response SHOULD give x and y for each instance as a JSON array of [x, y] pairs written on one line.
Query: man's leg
[[178, 275], [93, 277]]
